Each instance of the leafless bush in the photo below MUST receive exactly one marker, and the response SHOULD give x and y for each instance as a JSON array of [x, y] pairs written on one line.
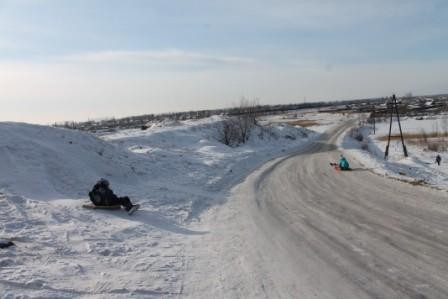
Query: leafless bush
[[229, 132], [356, 134], [237, 129], [246, 118]]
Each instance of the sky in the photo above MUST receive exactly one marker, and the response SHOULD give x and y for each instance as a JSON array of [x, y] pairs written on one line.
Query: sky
[[91, 59]]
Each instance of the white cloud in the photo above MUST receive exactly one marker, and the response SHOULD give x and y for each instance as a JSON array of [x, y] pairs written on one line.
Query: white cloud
[[171, 58]]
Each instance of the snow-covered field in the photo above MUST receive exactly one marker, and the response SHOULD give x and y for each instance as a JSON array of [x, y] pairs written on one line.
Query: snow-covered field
[[420, 166], [175, 170]]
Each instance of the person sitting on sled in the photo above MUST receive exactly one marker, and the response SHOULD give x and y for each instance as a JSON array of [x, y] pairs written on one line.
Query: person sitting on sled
[[343, 163], [102, 195]]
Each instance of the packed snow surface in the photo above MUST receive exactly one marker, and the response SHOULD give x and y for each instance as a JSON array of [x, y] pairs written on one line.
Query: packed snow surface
[[175, 172]]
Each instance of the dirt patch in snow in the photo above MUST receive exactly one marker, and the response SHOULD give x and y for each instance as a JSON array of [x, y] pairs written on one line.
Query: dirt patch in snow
[[304, 123], [415, 136]]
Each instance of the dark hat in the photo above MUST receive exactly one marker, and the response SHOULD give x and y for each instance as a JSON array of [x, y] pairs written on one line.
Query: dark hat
[[103, 182]]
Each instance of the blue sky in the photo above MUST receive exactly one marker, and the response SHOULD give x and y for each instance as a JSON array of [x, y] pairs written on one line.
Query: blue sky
[[64, 60]]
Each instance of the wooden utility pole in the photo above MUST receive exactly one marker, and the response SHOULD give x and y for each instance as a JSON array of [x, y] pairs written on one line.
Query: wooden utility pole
[[394, 108]]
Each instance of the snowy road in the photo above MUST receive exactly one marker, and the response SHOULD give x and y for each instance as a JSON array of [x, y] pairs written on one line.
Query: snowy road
[[296, 228]]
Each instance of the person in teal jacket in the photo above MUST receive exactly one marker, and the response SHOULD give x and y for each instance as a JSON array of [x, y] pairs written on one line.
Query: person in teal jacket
[[343, 163]]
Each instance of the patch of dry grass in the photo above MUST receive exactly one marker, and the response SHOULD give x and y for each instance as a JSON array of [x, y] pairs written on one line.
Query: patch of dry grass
[[304, 123], [410, 136], [434, 141]]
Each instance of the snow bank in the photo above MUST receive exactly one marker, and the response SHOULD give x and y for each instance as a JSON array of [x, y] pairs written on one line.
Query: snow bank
[[192, 156], [175, 172], [47, 163]]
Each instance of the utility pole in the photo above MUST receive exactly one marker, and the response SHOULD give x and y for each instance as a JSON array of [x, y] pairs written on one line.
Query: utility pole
[[394, 108], [405, 151], [386, 154]]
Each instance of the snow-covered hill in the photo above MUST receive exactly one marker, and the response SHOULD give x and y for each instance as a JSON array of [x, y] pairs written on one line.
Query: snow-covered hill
[[46, 163], [175, 172]]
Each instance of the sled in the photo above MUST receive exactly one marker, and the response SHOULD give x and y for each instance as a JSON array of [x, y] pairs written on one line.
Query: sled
[[94, 207], [338, 168], [6, 243]]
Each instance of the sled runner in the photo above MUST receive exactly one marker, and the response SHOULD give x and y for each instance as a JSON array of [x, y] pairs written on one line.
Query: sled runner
[[91, 206], [337, 167], [133, 209], [94, 207]]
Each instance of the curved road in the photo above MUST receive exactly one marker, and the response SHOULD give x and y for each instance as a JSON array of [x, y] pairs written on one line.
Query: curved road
[[296, 228]]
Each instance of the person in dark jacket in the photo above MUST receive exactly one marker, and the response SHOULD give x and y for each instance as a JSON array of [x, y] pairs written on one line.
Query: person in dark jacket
[[102, 195], [438, 159]]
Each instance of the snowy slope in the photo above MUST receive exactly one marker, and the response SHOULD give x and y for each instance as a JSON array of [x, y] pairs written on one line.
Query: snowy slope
[[175, 172], [46, 163], [201, 167]]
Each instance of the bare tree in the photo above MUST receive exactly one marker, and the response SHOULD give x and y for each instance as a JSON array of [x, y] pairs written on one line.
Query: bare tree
[[229, 132], [246, 118], [236, 129]]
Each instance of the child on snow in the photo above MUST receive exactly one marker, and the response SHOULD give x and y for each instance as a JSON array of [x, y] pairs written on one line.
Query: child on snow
[[343, 163], [102, 195]]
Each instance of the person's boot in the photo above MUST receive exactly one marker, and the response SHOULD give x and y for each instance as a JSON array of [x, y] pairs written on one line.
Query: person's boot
[[128, 207], [133, 209]]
